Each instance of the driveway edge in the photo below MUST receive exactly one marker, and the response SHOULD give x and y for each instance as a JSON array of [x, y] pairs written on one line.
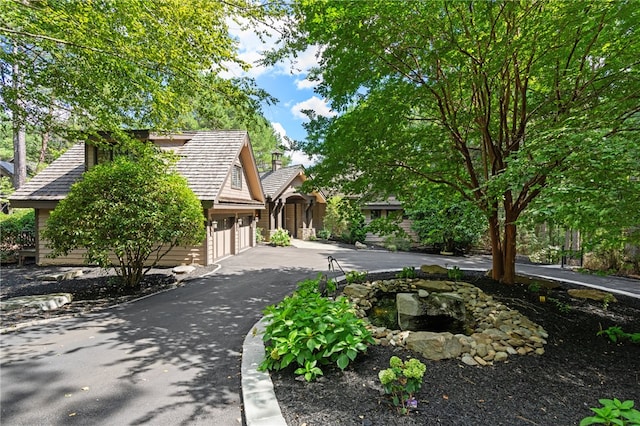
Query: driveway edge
[[261, 406]]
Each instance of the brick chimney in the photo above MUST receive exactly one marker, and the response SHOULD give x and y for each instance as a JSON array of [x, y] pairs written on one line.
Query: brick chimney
[[276, 160]]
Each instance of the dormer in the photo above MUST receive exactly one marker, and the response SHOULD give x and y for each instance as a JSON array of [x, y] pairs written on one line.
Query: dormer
[[107, 148]]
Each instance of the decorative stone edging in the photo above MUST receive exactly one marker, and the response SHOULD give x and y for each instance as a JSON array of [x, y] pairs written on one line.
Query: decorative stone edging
[[499, 332]]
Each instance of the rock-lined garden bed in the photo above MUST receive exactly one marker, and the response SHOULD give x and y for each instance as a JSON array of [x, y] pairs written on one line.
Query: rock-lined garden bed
[[495, 333]]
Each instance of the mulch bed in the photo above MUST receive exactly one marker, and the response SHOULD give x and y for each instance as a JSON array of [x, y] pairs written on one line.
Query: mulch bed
[[96, 289], [556, 388]]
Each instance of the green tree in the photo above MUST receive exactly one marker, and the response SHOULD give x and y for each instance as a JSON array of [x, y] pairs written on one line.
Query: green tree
[[448, 222], [494, 99], [103, 65], [136, 210]]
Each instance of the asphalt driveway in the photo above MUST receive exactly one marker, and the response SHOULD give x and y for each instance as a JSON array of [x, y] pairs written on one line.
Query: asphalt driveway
[[172, 358]]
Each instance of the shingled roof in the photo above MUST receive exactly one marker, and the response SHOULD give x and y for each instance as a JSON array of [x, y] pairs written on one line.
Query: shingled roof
[[53, 183], [275, 182], [205, 161]]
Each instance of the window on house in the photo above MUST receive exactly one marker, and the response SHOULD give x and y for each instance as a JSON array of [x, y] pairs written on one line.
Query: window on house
[[103, 155], [236, 177]]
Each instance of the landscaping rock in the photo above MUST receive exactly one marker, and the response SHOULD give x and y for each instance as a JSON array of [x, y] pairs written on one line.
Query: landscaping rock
[[434, 269], [183, 269], [592, 294], [433, 286], [434, 346], [356, 291], [45, 302]]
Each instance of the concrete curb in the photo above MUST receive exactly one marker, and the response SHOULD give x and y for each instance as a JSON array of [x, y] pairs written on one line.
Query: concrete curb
[[261, 406]]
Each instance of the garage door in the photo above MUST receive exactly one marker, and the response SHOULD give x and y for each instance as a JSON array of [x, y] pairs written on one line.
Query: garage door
[[223, 238]]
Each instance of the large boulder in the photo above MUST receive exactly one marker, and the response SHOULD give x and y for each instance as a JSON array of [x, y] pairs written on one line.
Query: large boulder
[[356, 291], [418, 313], [434, 346], [590, 293], [434, 269]]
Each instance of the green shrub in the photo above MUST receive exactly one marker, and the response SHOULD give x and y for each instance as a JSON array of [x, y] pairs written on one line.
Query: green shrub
[[407, 272], [280, 238], [324, 234], [310, 331], [402, 380], [455, 273], [616, 334], [613, 412], [394, 243], [11, 228], [355, 277], [259, 236]]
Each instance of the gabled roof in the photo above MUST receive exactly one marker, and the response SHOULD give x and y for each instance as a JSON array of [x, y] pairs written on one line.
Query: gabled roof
[[7, 167], [206, 161], [52, 184], [274, 183]]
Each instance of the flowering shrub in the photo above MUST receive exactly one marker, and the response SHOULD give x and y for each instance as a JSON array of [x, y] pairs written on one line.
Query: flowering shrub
[[402, 380]]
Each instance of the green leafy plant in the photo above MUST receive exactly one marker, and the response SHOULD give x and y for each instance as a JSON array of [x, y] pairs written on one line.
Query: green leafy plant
[[613, 412], [280, 238], [606, 300], [407, 272], [355, 277], [128, 213], [454, 273], [259, 236], [324, 234], [561, 306], [402, 380], [12, 227], [310, 331], [534, 287], [616, 334]]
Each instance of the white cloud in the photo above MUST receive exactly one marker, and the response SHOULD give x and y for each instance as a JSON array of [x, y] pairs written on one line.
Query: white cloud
[[302, 84], [297, 157], [319, 106], [279, 129], [251, 48]]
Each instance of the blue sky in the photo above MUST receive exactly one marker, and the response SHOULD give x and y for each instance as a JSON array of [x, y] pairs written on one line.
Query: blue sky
[[287, 81]]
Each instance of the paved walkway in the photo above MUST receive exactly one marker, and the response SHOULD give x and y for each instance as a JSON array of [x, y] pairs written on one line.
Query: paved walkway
[[175, 358]]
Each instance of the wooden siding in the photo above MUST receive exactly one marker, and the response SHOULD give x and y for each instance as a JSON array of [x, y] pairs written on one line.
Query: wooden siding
[[177, 255], [76, 257], [405, 225], [227, 192]]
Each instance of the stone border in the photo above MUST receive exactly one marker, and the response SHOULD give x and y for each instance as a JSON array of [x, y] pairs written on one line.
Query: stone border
[[499, 331]]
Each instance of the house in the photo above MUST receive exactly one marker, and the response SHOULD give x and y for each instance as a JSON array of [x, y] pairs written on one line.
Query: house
[[287, 207], [389, 208], [219, 167], [6, 169]]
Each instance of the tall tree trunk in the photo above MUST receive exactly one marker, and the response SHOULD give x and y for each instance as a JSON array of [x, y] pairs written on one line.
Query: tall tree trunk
[[19, 134], [496, 247], [43, 147], [509, 276]]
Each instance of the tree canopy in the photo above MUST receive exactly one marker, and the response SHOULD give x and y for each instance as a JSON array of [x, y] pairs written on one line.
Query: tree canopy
[[498, 100], [69, 66], [136, 210]]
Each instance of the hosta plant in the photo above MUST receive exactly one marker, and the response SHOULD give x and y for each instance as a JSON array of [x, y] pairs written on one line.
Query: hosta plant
[[310, 331], [613, 412]]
